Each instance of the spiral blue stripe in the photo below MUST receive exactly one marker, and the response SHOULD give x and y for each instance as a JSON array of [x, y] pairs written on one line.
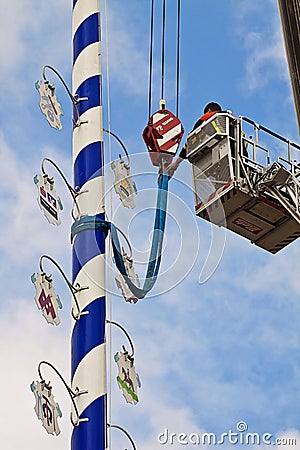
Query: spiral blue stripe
[[88, 334], [87, 245], [89, 327], [90, 88], [81, 438], [87, 33], [88, 164]]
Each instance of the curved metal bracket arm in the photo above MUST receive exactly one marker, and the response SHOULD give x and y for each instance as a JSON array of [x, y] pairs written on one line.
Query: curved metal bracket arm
[[122, 145], [72, 394], [126, 334], [73, 289], [126, 240], [75, 101], [125, 432], [74, 193]]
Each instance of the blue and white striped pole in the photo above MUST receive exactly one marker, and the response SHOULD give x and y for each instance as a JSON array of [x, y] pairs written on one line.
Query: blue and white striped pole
[[88, 333]]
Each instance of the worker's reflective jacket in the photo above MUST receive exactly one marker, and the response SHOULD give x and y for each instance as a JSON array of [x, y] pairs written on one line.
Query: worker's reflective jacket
[[202, 119]]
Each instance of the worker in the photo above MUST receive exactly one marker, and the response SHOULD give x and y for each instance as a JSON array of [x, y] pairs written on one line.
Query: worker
[[209, 110]]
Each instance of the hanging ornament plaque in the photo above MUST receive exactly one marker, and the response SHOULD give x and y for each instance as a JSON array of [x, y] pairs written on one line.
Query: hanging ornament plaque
[[48, 200], [128, 380], [46, 299], [121, 283], [46, 409], [124, 186], [49, 104]]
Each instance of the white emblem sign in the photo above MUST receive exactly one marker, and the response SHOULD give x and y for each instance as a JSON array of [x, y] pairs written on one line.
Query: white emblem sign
[[49, 104], [124, 186], [128, 380], [46, 298], [121, 283], [46, 409], [48, 200]]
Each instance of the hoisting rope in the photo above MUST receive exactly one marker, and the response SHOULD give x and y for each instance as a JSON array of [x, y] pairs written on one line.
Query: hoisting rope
[[162, 96], [178, 57], [97, 223], [151, 58], [163, 54]]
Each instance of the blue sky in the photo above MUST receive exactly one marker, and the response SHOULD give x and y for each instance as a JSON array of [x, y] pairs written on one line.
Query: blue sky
[[209, 355]]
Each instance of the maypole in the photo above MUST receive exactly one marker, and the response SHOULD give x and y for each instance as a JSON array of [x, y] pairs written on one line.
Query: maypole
[[88, 334], [162, 135]]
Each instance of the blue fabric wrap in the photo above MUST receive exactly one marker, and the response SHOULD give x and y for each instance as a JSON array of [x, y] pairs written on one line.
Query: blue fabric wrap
[[157, 241], [97, 223]]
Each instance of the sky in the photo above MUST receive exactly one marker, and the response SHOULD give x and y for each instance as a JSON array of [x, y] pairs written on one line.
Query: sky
[[212, 350]]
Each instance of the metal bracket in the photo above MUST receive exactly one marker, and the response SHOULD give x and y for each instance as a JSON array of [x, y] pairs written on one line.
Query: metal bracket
[[72, 394], [79, 99], [73, 289], [74, 192], [78, 421], [75, 100], [126, 334], [125, 432]]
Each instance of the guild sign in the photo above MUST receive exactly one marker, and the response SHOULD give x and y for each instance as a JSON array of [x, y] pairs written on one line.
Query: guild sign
[[49, 104], [45, 298], [121, 283], [48, 200], [46, 409], [124, 185], [128, 380]]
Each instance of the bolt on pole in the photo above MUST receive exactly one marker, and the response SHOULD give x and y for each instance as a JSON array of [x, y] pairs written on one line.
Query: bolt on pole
[[88, 359]]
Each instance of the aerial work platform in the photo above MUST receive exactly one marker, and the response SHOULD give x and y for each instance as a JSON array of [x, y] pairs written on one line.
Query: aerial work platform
[[246, 178]]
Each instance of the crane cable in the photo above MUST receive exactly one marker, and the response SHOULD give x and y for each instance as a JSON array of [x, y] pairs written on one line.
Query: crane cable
[[151, 51], [178, 56], [163, 50], [151, 58]]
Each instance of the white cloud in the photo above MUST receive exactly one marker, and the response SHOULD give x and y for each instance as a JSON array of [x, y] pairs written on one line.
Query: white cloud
[[265, 57], [23, 226], [265, 278], [289, 439], [25, 30], [262, 41], [25, 340]]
